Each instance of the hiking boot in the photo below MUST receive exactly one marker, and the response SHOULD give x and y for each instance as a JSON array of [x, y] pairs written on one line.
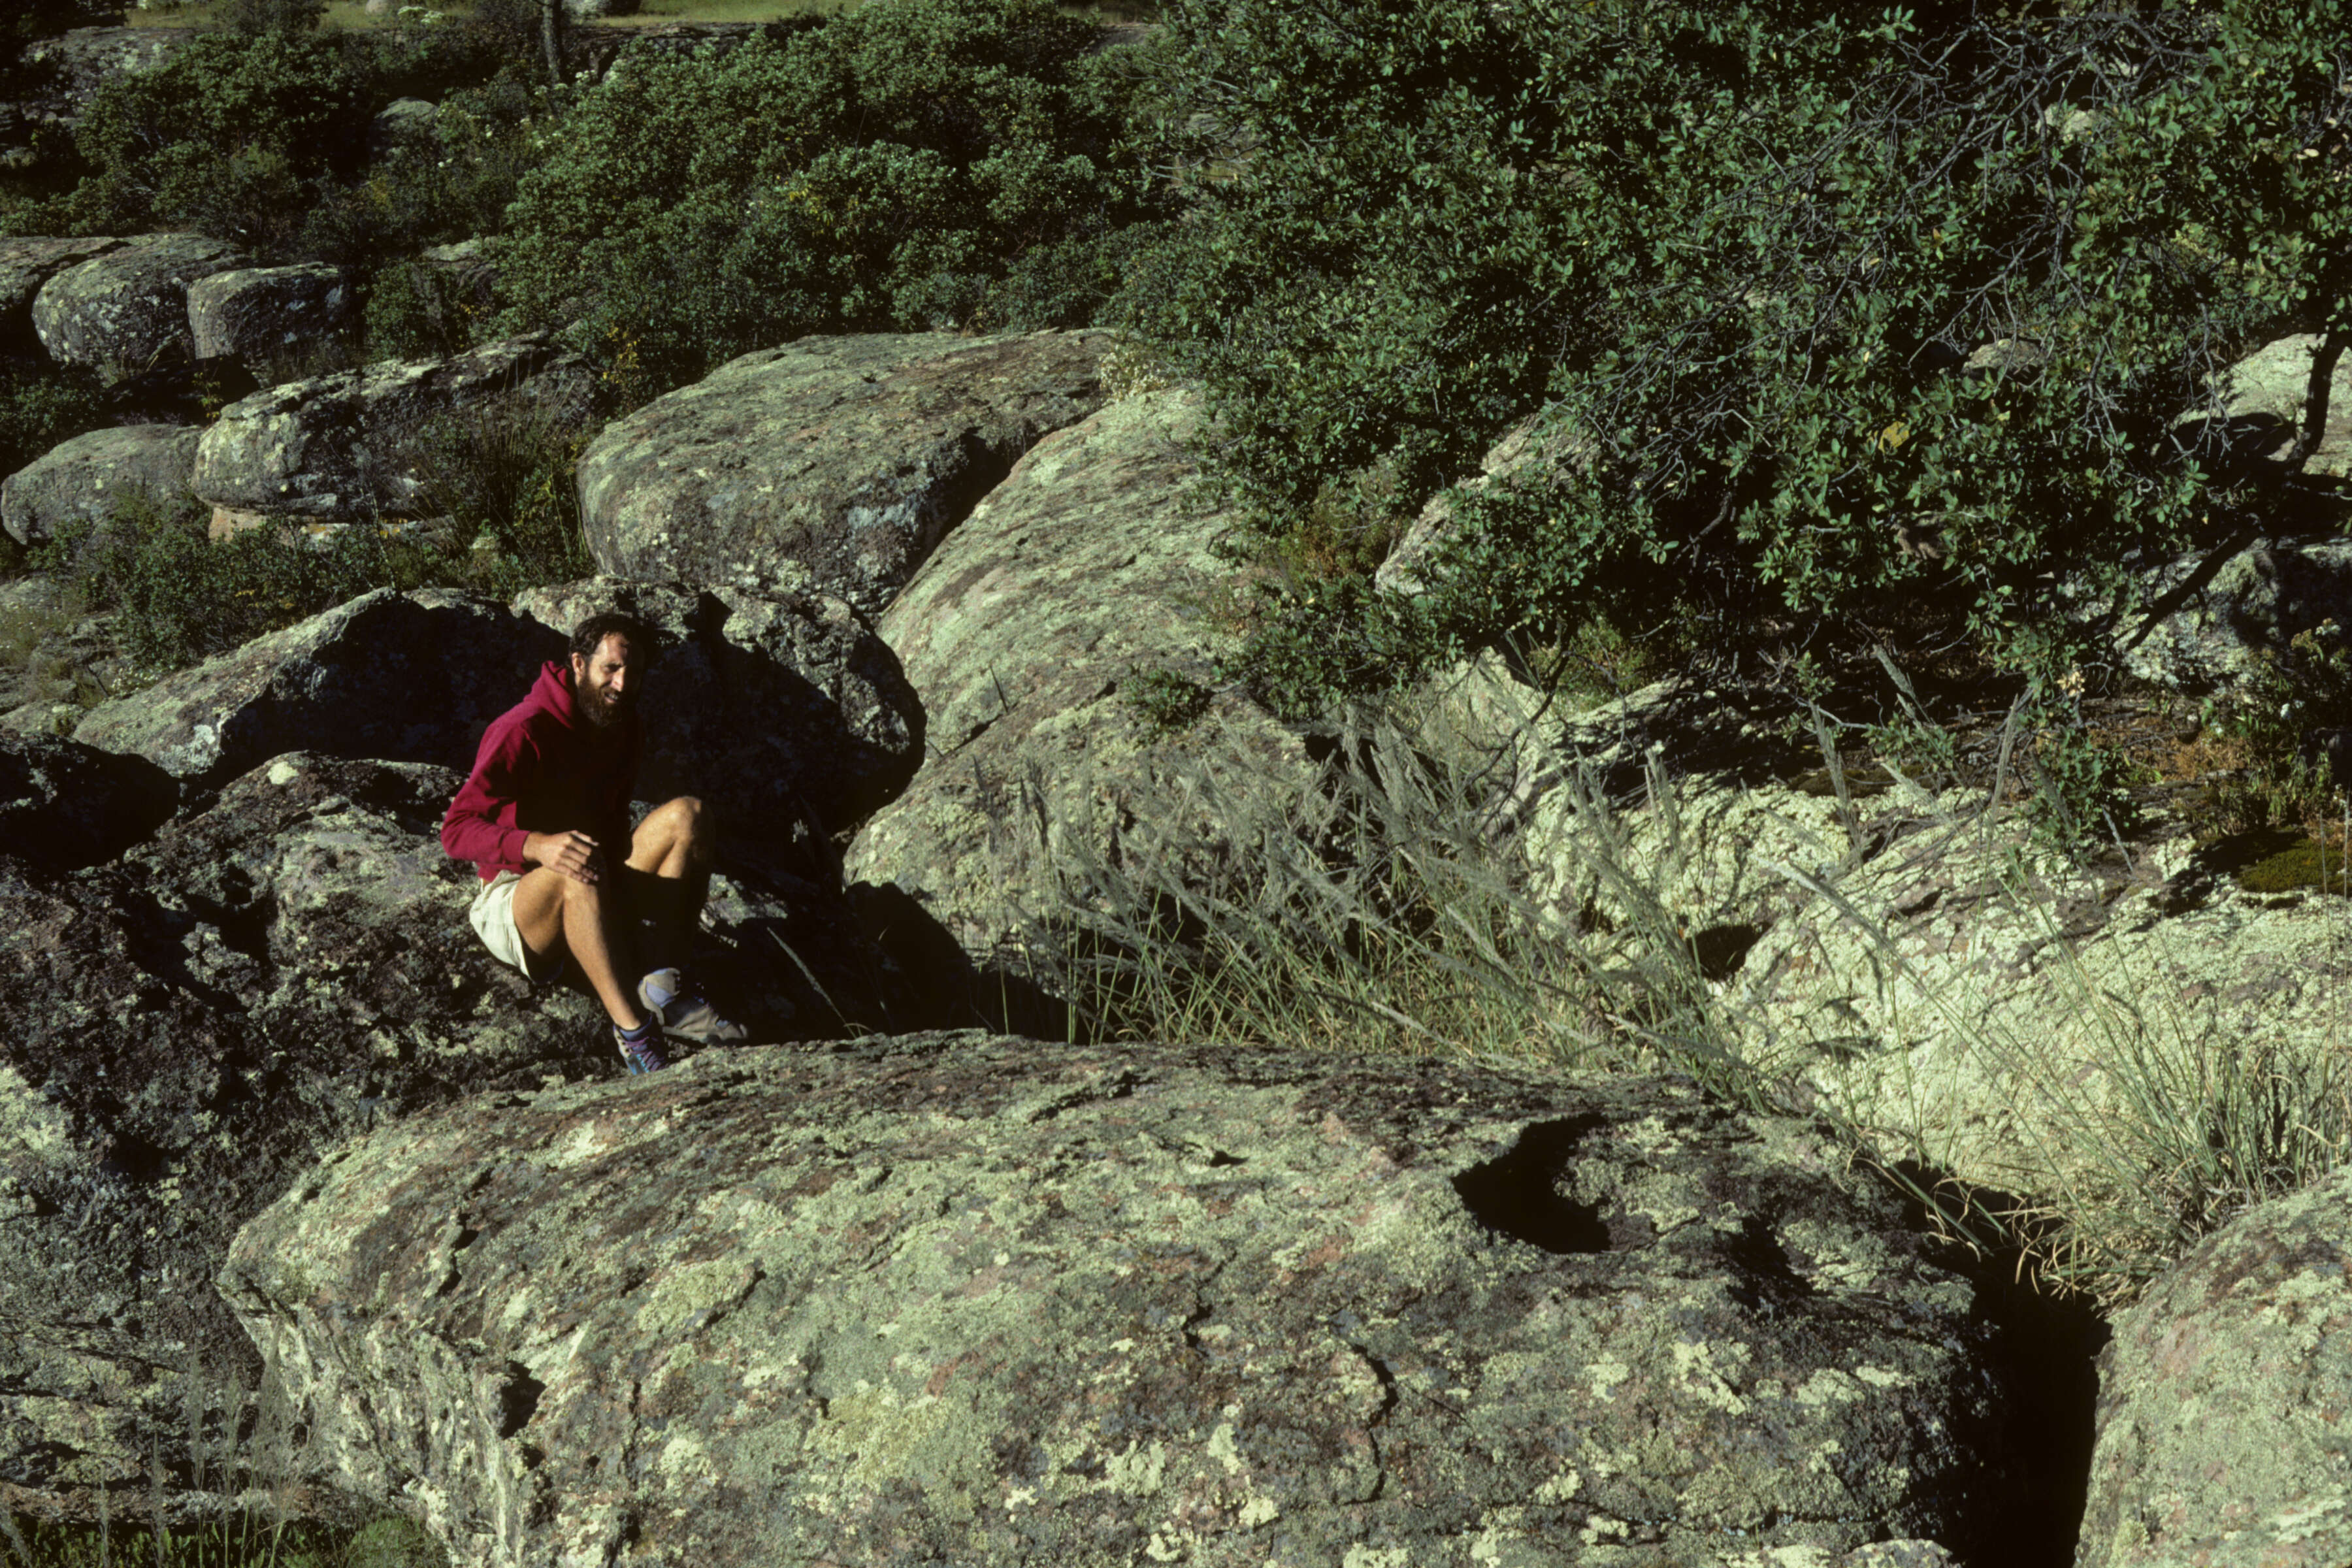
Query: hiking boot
[[686, 1013], [642, 1056]]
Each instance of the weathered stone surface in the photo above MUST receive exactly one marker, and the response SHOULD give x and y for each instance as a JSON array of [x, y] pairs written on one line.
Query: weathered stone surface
[[259, 314], [2218, 619], [72, 65], [1531, 449], [833, 465], [340, 447], [401, 120], [126, 311], [57, 661], [26, 264], [188, 1026], [83, 479], [1085, 570], [2262, 398], [405, 678], [988, 1300], [64, 805], [2220, 1437], [778, 714]]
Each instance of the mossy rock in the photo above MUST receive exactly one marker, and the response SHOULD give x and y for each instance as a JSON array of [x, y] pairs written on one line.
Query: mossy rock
[[2302, 863]]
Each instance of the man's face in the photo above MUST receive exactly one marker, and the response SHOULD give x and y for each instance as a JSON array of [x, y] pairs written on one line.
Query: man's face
[[605, 685]]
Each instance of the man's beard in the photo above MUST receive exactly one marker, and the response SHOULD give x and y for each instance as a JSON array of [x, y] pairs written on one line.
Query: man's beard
[[601, 709]]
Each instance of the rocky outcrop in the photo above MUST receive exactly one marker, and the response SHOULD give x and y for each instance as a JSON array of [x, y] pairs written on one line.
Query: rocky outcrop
[[2220, 1437], [404, 677], [69, 68], [126, 311], [833, 465], [25, 264], [2260, 402], [346, 447], [1025, 635], [983, 1300], [2213, 619], [1531, 451], [783, 715], [64, 658], [64, 805], [259, 315], [191, 1025], [83, 480]]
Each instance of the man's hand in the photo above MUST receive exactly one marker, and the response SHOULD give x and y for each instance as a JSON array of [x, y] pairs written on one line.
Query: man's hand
[[572, 855]]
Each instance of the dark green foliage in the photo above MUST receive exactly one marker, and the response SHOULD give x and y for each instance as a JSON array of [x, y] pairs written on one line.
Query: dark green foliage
[[252, 18], [230, 136], [41, 405], [1166, 702], [1740, 258], [451, 180], [916, 164]]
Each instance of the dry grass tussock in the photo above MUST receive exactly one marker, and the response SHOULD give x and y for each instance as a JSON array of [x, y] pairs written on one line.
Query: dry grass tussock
[[1405, 905]]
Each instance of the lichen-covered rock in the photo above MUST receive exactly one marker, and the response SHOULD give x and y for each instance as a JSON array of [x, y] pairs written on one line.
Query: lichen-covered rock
[[402, 677], [70, 659], [27, 263], [257, 315], [2220, 1427], [126, 311], [191, 1025], [2262, 396], [83, 480], [778, 713], [833, 465], [1530, 450], [342, 447], [1026, 634], [2218, 620], [986, 1301], [65, 805]]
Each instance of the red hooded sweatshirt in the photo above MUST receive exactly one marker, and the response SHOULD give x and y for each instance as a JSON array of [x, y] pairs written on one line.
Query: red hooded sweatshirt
[[541, 770]]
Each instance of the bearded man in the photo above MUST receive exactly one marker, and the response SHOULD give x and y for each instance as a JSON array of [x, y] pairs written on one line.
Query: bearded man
[[541, 815]]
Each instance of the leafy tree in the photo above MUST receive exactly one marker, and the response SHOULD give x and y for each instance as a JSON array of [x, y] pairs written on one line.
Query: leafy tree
[[893, 167], [1829, 314]]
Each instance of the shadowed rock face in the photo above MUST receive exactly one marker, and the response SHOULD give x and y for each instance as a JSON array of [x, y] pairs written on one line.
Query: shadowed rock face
[[833, 465], [64, 805], [257, 313], [1090, 566], [27, 263], [190, 1025], [408, 678], [2221, 1397], [782, 714], [983, 1299]]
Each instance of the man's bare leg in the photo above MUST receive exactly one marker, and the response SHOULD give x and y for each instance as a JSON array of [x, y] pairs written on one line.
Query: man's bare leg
[[553, 910], [669, 875]]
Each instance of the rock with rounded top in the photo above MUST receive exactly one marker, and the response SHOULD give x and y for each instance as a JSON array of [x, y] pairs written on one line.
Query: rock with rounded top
[[1079, 580], [2219, 1438], [85, 479], [258, 316], [402, 121], [347, 447], [832, 465], [985, 1300], [126, 311], [2261, 401], [400, 677], [780, 714], [27, 263]]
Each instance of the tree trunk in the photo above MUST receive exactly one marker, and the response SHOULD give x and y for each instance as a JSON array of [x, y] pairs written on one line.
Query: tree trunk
[[551, 33]]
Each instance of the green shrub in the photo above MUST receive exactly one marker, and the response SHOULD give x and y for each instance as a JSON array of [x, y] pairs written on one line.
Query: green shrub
[[1843, 318], [42, 404], [891, 168]]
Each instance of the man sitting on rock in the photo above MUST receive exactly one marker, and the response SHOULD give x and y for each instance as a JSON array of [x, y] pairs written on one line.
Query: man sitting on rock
[[548, 793]]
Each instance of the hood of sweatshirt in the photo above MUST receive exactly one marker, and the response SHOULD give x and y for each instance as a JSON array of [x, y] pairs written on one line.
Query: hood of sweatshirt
[[552, 694]]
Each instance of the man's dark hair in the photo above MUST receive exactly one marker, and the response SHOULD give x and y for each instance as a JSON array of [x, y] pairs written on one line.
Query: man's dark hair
[[590, 635]]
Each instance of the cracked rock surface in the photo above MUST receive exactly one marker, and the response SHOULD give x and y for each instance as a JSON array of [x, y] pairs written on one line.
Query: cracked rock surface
[[974, 1298]]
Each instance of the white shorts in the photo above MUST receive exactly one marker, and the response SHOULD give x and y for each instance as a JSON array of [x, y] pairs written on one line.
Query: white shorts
[[494, 922]]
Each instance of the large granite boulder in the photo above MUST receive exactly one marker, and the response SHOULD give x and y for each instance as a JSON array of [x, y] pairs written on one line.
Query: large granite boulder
[[2260, 401], [191, 1025], [1026, 634], [64, 805], [833, 465], [779, 713], [402, 677], [27, 263], [83, 480], [981, 1300], [2220, 1436], [2213, 619], [346, 447], [126, 311], [259, 315]]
